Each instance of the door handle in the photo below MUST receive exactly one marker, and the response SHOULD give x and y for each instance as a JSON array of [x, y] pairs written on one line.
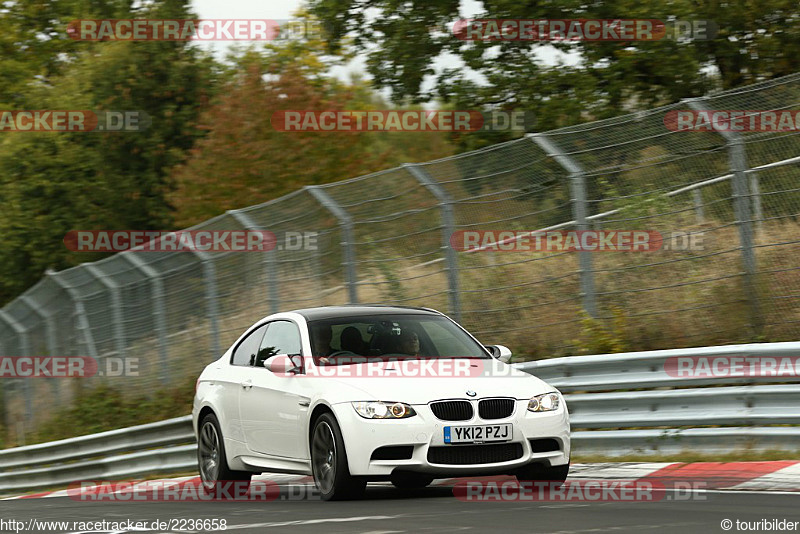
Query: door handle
[[247, 384], [304, 403]]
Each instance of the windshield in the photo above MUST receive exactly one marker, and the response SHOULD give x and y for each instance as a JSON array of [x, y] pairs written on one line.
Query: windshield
[[356, 339]]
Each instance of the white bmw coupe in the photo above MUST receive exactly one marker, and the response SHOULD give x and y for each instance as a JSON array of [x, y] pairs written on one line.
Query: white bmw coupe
[[354, 394]]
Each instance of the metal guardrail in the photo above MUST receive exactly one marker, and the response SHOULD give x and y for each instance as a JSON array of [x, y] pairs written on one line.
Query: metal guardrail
[[160, 434], [174, 459], [653, 421], [719, 440], [749, 405], [644, 370], [162, 447]]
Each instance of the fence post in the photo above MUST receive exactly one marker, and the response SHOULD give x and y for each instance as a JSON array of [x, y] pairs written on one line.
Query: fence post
[[270, 266], [159, 310], [25, 348], [50, 335], [577, 183], [755, 194], [116, 306], [741, 206], [348, 244], [736, 144], [448, 227], [80, 311], [212, 309], [697, 197]]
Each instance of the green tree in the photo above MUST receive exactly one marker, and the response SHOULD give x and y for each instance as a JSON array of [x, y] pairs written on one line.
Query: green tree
[[57, 181], [244, 160], [756, 40], [34, 43]]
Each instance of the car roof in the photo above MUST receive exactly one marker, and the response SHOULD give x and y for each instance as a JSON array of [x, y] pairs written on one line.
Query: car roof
[[334, 312]]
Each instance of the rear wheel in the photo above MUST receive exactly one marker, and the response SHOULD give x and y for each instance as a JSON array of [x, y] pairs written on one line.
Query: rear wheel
[[538, 472], [409, 481], [216, 477], [329, 462]]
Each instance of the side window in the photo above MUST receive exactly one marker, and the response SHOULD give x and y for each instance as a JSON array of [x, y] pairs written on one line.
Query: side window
[[245, 353], [283, 337]]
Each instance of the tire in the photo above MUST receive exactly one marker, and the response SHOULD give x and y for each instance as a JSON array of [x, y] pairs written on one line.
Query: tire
[[538, 472], [329, 462], [409, 481], [216, 477]]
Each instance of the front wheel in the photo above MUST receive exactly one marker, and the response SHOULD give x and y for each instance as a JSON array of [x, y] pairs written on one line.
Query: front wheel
[[216, 477], [538, 472], [329, 462]]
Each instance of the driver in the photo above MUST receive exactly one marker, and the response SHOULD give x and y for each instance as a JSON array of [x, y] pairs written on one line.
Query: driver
[[321, 336], [409, 343], [351, 340]]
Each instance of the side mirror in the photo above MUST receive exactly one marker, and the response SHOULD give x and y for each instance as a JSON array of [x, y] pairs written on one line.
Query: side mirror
[[500, 352], [285, 364]]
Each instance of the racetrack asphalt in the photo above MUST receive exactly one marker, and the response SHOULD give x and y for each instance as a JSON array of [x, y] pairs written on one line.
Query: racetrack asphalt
[[385, 509]]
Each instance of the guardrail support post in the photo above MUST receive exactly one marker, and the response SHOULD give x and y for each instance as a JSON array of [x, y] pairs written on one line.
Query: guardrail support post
[[348, 242], [270, 266], [742, 193], [159, 310], [116, 306], [25, 348], [448, 228], [577, 182]]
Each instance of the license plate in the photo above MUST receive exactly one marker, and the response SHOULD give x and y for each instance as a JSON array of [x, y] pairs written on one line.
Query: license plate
[[475, 433]]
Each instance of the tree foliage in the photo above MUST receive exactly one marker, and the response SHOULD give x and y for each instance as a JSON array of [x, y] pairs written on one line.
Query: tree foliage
[[756, 40], [209, 145], [244, 160], [54, 182]]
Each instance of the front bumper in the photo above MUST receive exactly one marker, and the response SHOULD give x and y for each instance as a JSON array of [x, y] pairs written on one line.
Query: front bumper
[[423, 431]]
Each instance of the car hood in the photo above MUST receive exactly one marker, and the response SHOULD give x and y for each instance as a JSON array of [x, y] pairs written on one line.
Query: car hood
[[500, 380]]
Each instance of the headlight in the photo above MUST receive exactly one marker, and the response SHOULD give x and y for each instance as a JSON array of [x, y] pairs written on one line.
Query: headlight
[[544, 403], [383, 410]]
